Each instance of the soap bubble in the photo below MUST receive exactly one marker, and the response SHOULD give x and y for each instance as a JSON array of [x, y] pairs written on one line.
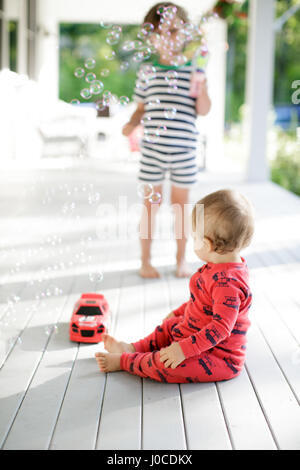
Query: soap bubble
[[146, 53], [154, 102], [145, 120], [155, 198], [128, 46], [86, 93], [106, 95], [138, 57], [170, 12], [47, 330], [96, 87], [93, 198], [110, 56], [113, 99], [145, 190], [172, 89], [112, 38], [124, 66], [90, 77], [138, 44], [171, 76], [104, 72], [68, 208], [101, 105], [75, 101], [160, 10], [170, 113], [105, 25], [124, 100], [117, 29], [90, 63], [164, 26], [161, 130], [153, 136], [96, 277], [79, 72], [147, 29], [147, 72]]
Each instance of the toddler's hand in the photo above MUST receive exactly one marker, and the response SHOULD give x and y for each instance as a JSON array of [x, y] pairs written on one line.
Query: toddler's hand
[[127, 129], [172, 314], [172, 356], [201, 86]]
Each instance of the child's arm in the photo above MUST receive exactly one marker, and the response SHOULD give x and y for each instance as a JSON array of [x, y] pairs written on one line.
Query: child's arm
[[177, 312], [225, 312], [203, 103], [224, 318], [134, 120]]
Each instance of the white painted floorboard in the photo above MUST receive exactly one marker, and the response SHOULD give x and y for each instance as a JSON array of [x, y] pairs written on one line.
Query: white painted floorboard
[[52, 395]]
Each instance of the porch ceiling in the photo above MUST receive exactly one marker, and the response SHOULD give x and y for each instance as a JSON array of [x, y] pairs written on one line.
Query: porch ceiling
[[118, 11]]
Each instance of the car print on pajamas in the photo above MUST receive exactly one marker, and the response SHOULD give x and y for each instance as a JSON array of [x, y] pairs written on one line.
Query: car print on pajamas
[[212, 335], [206, 364], [90, 319], [231, 302], [222, 280]]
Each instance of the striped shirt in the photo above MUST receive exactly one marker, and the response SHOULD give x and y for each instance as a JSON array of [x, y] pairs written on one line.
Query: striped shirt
[[170, 115]]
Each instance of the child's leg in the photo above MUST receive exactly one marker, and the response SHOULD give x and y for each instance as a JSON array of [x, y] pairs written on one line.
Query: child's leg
[[180, 197], [159, 338], [146, 234], [204, 368]]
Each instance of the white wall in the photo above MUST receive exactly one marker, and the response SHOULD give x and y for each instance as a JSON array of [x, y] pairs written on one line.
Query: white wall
[[117, 11]]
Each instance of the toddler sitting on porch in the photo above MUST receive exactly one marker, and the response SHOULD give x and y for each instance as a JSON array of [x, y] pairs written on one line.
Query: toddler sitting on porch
[[204, 340]]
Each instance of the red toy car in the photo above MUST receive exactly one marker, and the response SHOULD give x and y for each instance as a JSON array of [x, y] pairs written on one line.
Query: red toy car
[[89, 319]]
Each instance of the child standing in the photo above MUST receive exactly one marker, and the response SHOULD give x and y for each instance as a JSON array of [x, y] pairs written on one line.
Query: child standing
[[170, 135], [204, 339]]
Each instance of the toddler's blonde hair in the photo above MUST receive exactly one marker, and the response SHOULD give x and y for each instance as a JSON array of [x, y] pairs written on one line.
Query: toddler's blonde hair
[[228, 220], [154, 18]]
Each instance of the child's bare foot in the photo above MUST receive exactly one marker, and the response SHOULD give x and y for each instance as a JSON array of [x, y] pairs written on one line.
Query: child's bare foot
[[148, 271], [182, 270], [108, 362], [113, 346]]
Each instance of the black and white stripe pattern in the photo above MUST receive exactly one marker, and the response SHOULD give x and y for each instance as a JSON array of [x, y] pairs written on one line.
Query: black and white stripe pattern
[[170, 133]]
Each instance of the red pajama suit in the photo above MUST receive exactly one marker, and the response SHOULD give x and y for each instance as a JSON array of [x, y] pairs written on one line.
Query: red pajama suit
[[210, 328]]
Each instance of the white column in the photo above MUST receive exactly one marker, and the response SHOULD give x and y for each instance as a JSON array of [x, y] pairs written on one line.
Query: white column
[[212, 125], [22, 38], [259, 86], [47, 43], [4, 40]]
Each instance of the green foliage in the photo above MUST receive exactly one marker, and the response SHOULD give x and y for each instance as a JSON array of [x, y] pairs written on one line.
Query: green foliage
[[285, 169], [13, 36], [236, 69], [286, 65], [79, 42]]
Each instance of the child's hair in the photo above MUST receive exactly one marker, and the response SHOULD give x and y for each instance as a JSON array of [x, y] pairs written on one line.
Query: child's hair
[[228, 220], [154, 18]]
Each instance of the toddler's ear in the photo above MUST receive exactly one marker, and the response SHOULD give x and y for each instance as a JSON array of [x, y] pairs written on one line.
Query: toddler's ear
[[208, 244]]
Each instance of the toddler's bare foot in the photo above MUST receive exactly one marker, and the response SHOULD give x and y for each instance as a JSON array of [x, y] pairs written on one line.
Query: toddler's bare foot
[[108, 362], [113, 346], [148, 271], [182, 270]]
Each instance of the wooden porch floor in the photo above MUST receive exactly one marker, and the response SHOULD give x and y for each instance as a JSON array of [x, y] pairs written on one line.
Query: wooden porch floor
[[52, 395]]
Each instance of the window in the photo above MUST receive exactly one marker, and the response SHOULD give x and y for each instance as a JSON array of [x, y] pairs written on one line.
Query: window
[[89, 311]]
